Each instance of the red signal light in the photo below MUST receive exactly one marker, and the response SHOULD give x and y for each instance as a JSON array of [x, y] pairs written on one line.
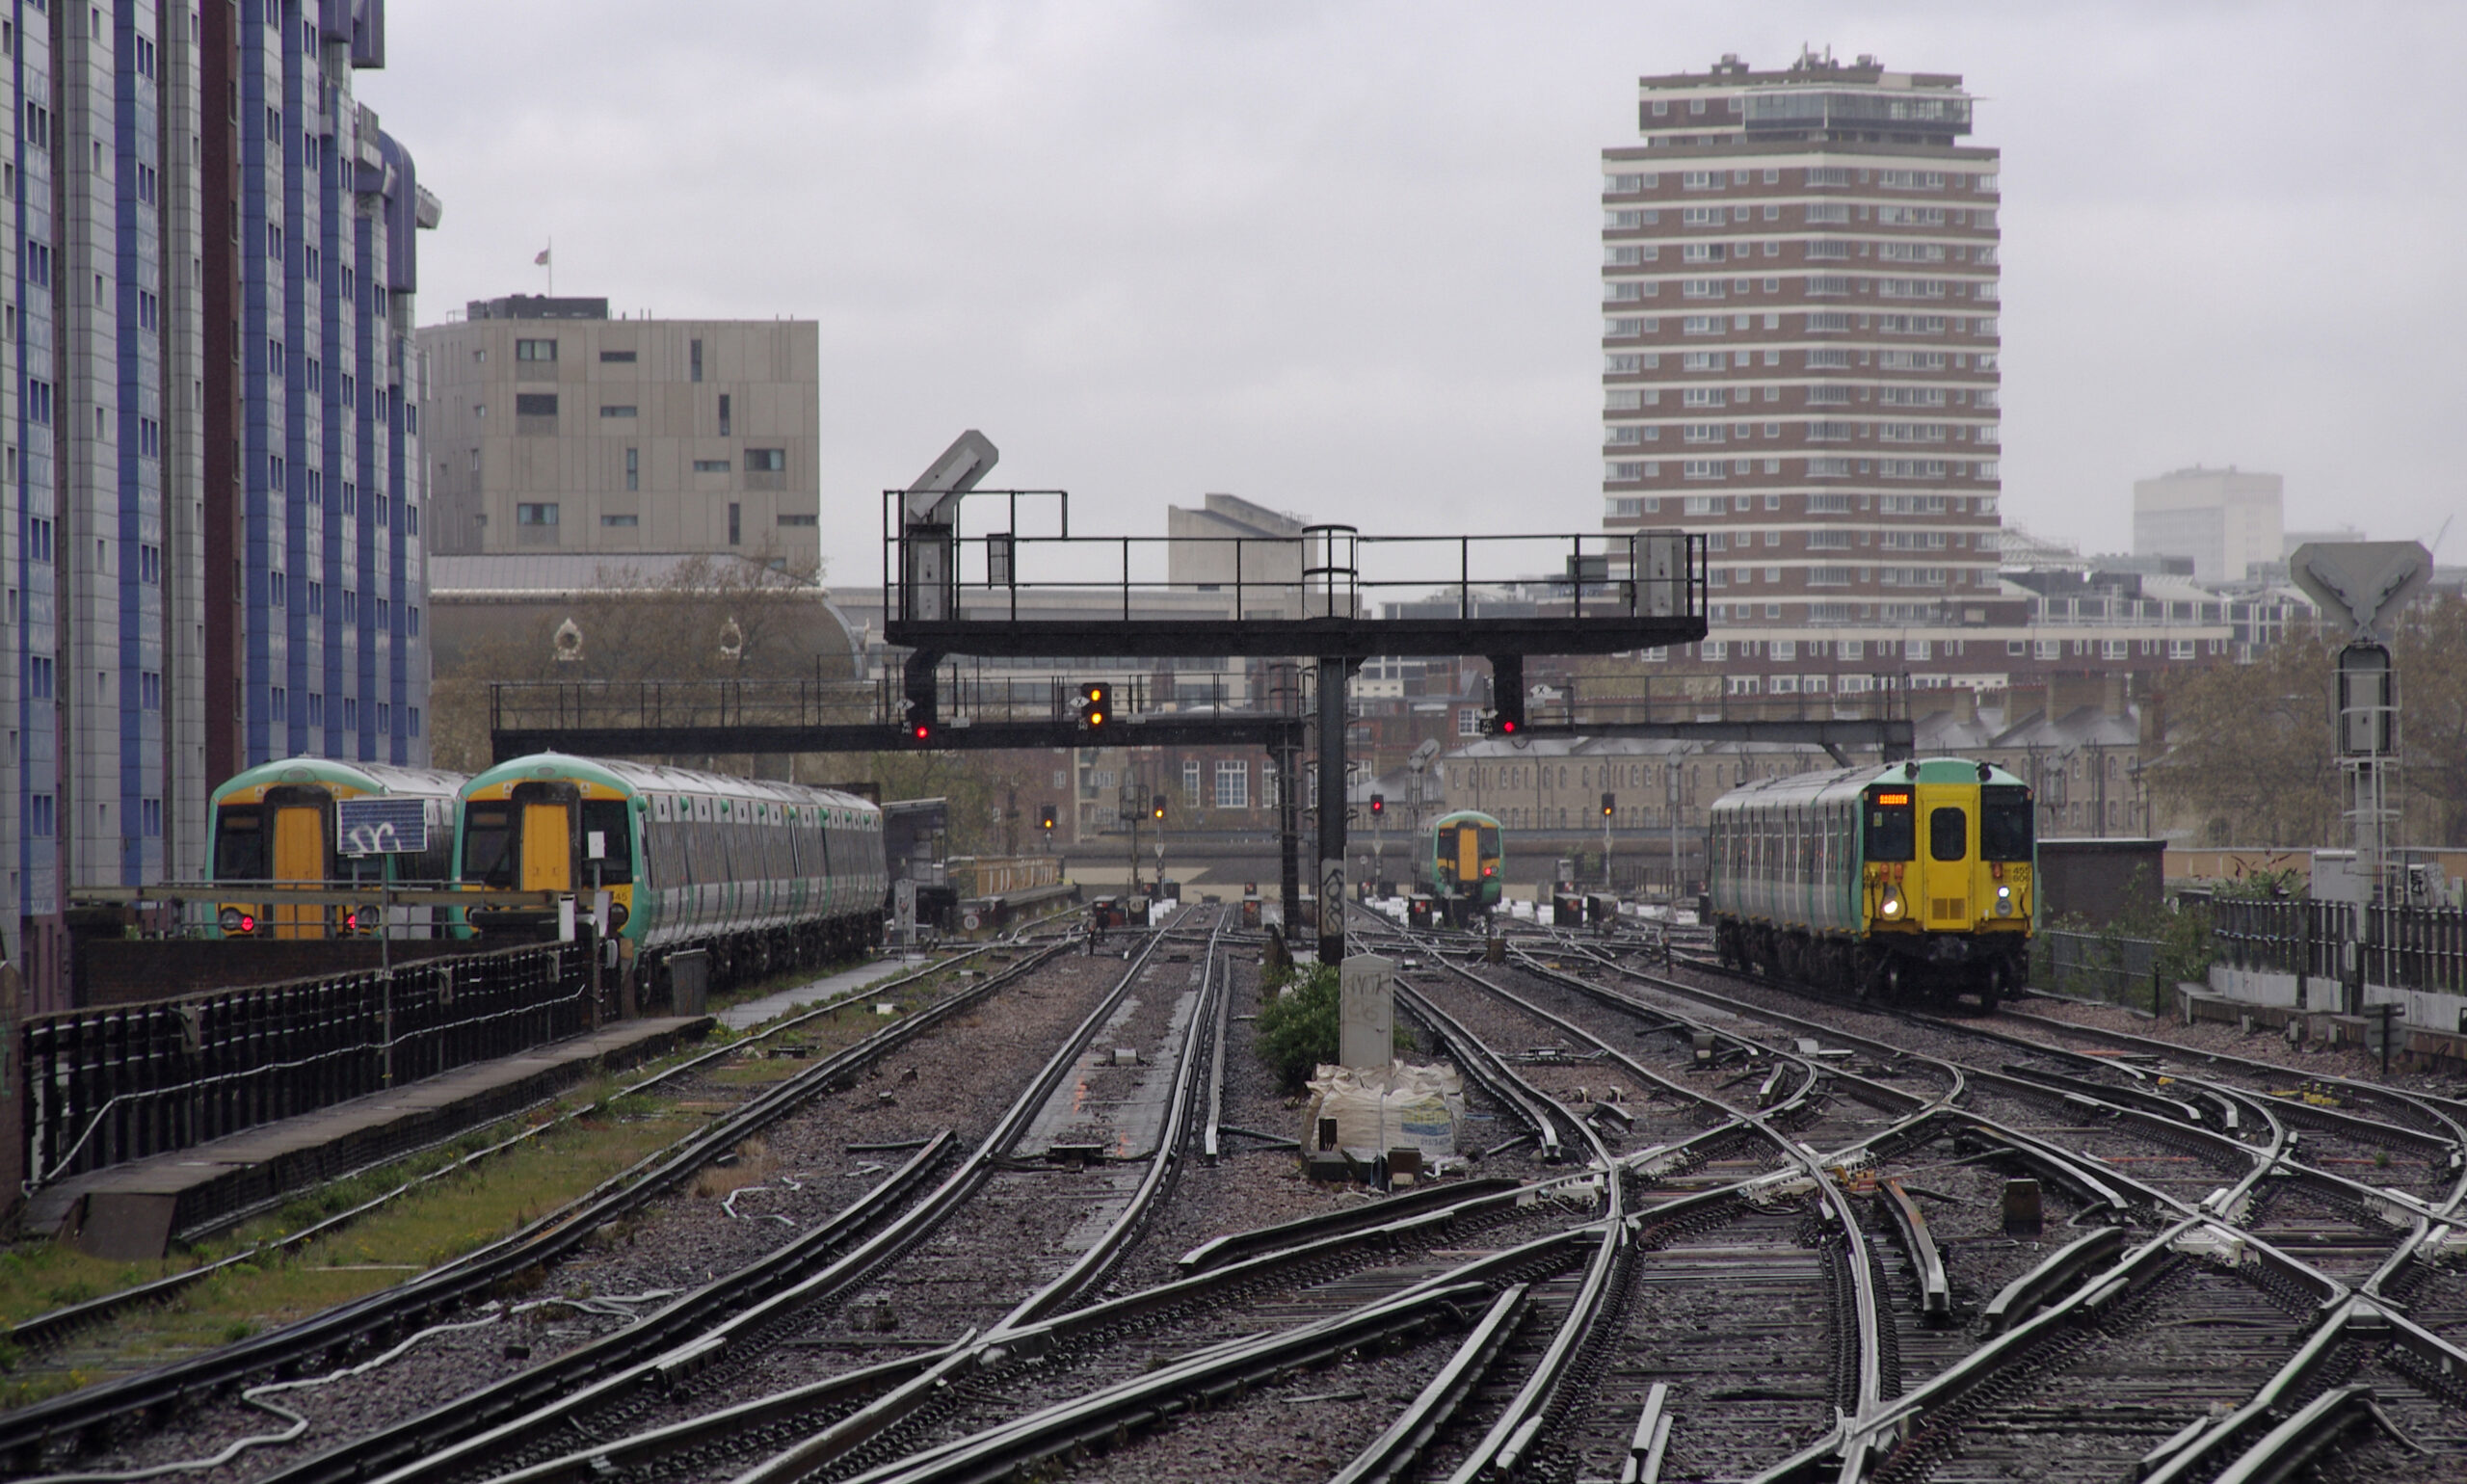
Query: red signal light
[[1508, 727], [248, 923], [920, 731]]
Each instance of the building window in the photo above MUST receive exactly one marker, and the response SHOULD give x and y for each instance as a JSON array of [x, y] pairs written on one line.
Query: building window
[[536, 514], [760, 460], [535, 350], [1191, 783], [735, 517], [633, 469], [608, 410], [725, 420], [1233, 784], [626, 522], [798, 520], [615, 357], [711, 466], [535, 404], [695, 355]]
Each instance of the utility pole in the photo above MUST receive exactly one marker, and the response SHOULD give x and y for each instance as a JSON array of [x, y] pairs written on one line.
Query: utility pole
[[1670, 791]]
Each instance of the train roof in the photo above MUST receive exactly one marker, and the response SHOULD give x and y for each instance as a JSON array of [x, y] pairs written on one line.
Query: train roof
[[373, 777], [1832, 784], [642, 777], [1459, 816]]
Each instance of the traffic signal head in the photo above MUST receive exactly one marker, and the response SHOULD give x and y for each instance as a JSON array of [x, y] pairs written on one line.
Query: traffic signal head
[[919, 733], [1156, 806], [1609, 803], [1499, 724], [1095, 705], [1378, 804], [1044, 819]]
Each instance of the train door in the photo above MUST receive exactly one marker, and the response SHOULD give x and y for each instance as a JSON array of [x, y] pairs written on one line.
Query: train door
[[1944, 852], [549, 837], [1468, 858], [302, 827]]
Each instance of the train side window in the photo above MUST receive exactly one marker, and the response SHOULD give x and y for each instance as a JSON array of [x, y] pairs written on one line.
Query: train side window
[[1948, 834], [613, 818], [240, 845], [1892, 828], [2004, 825]]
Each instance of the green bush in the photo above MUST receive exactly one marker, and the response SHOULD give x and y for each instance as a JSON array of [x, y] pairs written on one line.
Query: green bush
[[1297, 1031]]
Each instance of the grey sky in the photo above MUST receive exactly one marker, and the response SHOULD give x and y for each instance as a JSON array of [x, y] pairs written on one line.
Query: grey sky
[[1341, 259]]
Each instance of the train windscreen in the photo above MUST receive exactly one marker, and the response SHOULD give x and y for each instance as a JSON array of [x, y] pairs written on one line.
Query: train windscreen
[[488, 839], [1893, 830], [240, 845], [1948, 834], [2005, 829]]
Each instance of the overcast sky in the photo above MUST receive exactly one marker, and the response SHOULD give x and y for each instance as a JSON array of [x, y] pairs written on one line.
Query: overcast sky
[[1341, 259]]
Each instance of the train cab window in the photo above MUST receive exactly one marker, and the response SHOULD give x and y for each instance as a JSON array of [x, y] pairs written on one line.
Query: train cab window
[[487, 844], [1948, 834], [613, 820], [240, 845], [2004, 825], [1893, 832]]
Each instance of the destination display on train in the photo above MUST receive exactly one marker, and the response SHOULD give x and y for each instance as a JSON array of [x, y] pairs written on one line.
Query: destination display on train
[[381, 827]]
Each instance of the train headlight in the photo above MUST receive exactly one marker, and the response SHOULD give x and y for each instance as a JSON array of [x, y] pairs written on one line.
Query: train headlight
[[230, 920], [2003, 901], [1892, 906]]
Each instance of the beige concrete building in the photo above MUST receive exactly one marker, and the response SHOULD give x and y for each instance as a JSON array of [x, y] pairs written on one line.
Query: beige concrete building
[[554, 428]]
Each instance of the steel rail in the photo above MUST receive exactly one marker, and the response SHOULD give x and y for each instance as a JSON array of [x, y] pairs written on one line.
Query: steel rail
[[2340, 1308], [410, 1450], [1219, 1372], [1478, 1062], [27, 1430], [1394, 1452], [1164, 1164], [44, 1330], [1868, 1388]]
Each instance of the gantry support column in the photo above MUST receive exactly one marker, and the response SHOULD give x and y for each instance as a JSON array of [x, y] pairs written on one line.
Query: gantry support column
[[1332, 810]]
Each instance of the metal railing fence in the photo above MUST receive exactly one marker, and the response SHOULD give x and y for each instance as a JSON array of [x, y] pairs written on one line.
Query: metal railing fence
[[113, 1083]]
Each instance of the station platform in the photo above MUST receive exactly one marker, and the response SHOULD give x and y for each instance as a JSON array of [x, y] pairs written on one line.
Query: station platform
[[134, 1211], [844, 985]]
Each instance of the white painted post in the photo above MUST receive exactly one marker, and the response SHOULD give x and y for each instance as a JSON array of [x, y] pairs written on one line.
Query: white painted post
[[1367, 1012]]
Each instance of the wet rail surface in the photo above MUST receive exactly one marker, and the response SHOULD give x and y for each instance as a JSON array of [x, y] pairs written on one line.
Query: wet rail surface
[[1748, 1234]]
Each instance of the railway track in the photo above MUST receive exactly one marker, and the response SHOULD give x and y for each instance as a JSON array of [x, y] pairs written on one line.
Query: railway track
[[1753, 1234], [2342, 1324]]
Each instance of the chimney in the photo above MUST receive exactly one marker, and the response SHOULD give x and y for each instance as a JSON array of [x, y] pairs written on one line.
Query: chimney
[[2119, 694]]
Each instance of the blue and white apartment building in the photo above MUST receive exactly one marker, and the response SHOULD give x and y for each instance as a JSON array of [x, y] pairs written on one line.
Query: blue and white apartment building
[[210, 518]]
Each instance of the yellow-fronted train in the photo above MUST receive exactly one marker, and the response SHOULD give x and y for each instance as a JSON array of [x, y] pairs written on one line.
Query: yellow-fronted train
[[1460, 863], [279, 824], [1913, 880], [762, 876]]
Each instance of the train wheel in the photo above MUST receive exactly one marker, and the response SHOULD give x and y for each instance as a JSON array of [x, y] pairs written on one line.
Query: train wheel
[[1991, 988]]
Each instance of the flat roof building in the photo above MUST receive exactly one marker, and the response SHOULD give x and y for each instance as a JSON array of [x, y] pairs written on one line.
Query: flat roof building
[[554, 428]]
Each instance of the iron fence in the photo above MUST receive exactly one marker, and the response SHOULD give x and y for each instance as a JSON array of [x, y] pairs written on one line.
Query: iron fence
[[2401, 947], [2116, 969], [116, 1083]]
